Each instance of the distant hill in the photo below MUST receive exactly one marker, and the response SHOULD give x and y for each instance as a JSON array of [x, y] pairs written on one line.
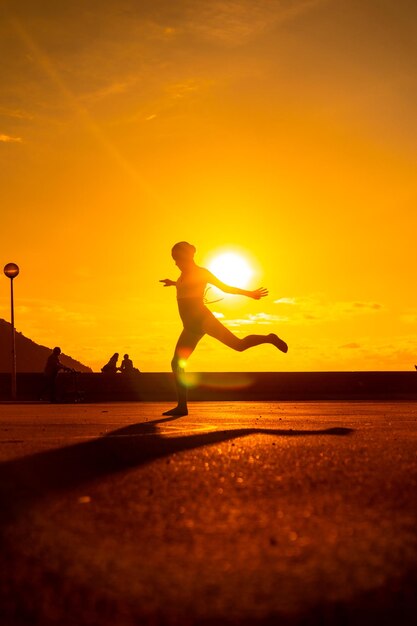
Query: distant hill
[[30, 356]]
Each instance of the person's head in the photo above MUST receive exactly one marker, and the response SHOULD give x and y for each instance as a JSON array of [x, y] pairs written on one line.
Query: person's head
[[56, 351], [183, 254], [125, 356], [115, 356]]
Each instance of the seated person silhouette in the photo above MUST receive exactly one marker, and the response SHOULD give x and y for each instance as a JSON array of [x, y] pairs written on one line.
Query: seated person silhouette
[[111, 366], [52, 368], [127, 365]]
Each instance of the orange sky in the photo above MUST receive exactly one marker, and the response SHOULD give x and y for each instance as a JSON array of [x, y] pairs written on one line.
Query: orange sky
[[285, 130]]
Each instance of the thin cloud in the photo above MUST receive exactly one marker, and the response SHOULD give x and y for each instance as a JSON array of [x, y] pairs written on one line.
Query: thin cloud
[[18, 114], [237, 323], [34, 308], [186, 88], [410, 317], [285, 301], [367, 353], [9, 139], [232, 22], [318, 309], [367, 305], [266, 318], [61, 314], [109, 90], [398, 355], [257, 319], [307, 311]]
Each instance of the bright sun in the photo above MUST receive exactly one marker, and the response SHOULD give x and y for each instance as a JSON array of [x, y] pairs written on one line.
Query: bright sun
[[232, 269]]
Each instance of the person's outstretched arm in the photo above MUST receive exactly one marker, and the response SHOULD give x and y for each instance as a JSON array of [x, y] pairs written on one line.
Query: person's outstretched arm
[[168, 282], [256, 294]]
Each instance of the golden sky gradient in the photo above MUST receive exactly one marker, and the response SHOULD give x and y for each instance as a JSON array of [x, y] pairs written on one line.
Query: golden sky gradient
[[283, 130]]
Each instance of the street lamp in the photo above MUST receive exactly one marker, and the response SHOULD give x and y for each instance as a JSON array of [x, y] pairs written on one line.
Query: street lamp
[[11, 270]]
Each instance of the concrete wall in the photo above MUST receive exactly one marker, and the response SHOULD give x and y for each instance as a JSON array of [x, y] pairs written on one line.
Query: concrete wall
[[222, 386]]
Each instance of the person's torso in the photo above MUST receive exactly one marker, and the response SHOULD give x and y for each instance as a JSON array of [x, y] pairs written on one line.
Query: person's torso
[[192, 284], [52, 365]]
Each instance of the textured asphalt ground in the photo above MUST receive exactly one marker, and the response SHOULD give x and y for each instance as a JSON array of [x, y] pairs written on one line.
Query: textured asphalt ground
[[238, 514]]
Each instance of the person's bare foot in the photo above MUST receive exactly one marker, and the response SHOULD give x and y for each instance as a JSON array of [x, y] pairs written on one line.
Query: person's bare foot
[[278, 343], [178, 411]]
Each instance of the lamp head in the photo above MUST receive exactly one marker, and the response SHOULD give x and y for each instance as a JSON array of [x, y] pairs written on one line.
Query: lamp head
[[11, 270]]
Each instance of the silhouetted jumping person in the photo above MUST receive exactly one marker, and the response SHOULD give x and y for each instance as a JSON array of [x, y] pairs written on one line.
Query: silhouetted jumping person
[[198, 320], [52, 368]]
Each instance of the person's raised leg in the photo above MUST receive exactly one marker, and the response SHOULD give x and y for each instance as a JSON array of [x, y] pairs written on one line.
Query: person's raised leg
[[278, 342], [215, 329], [184, 348]]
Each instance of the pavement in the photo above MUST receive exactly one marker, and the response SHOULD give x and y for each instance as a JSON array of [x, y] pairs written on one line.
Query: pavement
[[241, 513]]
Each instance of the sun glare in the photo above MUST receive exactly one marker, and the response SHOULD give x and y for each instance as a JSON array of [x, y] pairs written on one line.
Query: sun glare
[[232, 269]]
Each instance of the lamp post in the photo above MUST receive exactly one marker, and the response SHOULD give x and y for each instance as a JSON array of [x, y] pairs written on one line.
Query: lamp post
[[11, 270]]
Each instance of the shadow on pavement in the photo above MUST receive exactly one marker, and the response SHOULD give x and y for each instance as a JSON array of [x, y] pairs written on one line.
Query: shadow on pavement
[[26, 480]]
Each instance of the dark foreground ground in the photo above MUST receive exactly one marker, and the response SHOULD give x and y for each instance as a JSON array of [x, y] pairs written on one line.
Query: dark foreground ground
[[241, 513]]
